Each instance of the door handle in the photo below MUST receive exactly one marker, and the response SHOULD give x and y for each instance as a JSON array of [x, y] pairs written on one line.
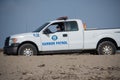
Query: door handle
[[64, 35]]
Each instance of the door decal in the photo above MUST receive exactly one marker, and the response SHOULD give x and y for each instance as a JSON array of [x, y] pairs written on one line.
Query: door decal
[[54, 37], [54, 42]]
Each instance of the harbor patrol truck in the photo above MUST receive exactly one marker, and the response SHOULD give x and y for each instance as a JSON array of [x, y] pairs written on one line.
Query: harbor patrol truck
[[72, 36]]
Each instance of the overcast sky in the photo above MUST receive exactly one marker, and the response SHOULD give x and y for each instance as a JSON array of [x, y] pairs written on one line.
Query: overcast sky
[[18, 16]]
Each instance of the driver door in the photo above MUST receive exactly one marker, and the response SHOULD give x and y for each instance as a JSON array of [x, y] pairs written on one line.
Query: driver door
[[53, 40]]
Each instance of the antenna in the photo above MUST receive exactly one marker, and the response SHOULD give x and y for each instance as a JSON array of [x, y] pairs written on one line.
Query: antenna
[[26, 27]]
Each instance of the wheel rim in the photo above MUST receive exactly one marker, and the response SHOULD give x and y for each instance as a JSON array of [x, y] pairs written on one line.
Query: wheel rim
[[28, 52], [107, 50]]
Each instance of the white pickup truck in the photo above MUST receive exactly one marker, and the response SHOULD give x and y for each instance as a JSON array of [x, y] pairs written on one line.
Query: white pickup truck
[[64, 35]]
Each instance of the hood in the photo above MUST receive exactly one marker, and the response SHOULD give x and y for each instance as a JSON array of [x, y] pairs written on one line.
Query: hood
[[25, 34]]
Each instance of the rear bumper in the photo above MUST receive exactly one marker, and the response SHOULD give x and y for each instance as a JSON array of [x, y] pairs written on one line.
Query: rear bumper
[[11, 50]]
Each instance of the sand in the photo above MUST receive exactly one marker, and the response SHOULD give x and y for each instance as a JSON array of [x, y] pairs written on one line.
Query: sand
[[60, 67]]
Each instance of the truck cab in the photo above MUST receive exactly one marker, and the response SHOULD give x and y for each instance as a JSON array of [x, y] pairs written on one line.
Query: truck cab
[[65, 38]]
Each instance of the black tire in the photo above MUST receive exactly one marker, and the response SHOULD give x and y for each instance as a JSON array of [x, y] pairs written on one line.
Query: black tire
[[106, 48], [27, 50]]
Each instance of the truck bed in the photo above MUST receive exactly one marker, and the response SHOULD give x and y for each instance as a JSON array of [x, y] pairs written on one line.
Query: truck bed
[[101, 28], [93, 35]]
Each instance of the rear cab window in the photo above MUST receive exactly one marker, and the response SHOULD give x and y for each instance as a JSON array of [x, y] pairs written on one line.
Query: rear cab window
[[71, 26]]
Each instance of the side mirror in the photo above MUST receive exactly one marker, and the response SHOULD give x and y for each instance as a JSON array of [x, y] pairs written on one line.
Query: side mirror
[[46, 31]]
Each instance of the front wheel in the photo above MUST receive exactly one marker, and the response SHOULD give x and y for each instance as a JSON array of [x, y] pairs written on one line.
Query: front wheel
[[106, 48], [27, 50]]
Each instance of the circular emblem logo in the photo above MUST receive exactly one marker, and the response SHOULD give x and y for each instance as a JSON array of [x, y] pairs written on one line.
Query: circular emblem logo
[[54, 37]]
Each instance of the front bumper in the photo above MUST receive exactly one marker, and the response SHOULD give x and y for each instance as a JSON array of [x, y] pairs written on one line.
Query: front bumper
[[11, 50]]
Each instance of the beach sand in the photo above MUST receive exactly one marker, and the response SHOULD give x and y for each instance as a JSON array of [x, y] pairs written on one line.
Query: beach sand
[[60, 67]]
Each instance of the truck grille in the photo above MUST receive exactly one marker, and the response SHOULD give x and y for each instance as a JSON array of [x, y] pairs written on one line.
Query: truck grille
[[7, 41]]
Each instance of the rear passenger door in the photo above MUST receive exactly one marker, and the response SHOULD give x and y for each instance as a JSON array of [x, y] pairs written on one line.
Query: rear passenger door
[[75, 35]]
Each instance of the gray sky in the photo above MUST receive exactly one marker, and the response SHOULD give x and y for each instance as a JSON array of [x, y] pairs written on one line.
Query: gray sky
[[18, 16]]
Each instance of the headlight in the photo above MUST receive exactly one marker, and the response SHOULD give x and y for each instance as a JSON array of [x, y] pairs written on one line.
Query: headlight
[[12, 40]]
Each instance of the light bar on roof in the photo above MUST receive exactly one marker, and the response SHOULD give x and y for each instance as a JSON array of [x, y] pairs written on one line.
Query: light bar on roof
[[62, 18]]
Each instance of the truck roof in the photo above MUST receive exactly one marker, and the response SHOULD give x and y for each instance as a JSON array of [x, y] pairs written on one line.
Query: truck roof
[[64, 20]]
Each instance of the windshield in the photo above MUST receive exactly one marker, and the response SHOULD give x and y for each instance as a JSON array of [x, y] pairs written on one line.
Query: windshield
[[41, 27]]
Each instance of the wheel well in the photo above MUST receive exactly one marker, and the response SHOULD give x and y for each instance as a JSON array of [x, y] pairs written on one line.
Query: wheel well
[[30, 42], [107, 39]]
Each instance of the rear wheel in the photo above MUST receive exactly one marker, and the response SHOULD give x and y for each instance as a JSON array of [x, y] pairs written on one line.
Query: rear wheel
[[106, 48], [27, 50]]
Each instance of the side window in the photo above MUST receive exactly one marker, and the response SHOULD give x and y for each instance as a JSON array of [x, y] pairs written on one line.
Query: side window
[[71, 26], [52, 28], [56, 27]]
